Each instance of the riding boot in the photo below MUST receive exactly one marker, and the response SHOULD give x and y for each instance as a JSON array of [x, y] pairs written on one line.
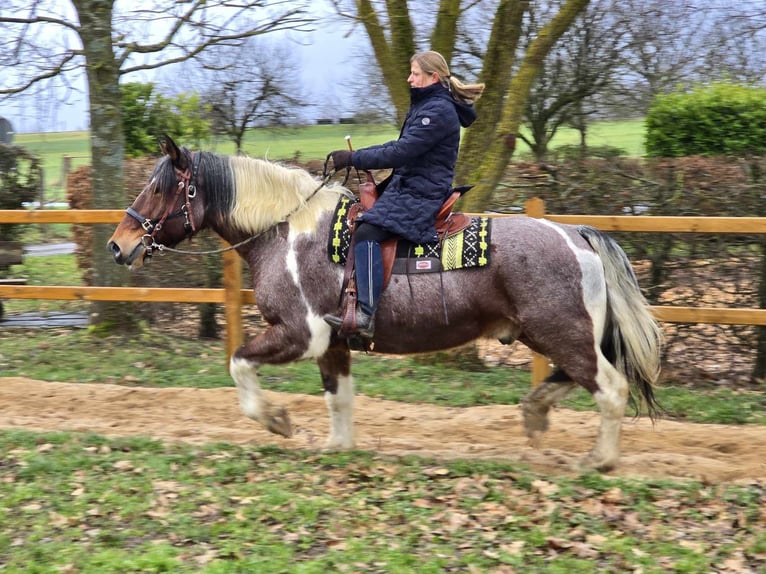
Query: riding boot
[[369, 285]]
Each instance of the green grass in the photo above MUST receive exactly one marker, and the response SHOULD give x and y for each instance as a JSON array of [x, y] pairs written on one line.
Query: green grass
[[303, 143], [51, 148], [74, 502], [49, 270]]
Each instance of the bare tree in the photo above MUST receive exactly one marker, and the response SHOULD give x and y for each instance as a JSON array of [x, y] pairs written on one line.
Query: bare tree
[[489, 144], [665, 43], [735, 46], [580, 66], [44, 41], [256, 85]]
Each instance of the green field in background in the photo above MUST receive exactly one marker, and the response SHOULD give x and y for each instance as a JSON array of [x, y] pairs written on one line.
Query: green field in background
[[303, 143]]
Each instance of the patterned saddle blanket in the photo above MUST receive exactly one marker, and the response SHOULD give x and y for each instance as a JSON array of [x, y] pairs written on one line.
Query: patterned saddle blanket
[[463, 250]]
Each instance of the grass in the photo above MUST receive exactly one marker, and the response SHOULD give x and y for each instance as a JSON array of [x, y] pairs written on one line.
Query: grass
[[52, 147], [81, 503], [49, 270], [304, 143]]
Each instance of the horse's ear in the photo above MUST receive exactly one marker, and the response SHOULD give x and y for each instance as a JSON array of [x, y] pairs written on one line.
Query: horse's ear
[[170, 149]]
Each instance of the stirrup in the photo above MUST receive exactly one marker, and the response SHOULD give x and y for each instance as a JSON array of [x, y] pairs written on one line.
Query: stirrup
[[334, 321], [363, 325]]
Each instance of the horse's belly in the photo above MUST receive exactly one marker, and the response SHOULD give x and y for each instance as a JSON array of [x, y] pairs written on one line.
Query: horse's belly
[[433, 335]]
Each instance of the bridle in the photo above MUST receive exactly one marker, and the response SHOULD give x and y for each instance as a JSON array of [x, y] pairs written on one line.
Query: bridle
[[187, 184]]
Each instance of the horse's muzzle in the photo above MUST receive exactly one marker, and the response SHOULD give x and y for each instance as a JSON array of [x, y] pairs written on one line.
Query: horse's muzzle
[[133, 260], [116, 252]]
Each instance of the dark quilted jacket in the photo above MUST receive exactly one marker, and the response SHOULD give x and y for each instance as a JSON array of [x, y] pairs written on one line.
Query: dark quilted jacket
[[423, 161]]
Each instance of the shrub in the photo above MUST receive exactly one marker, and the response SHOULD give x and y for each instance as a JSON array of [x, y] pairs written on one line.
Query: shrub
[[719, 119], [20, 180]]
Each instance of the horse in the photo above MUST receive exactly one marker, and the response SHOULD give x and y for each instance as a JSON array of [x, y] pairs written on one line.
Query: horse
[[567, 292]]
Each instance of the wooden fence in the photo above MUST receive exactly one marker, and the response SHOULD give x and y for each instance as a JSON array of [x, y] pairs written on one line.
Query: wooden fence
[[233, 296]]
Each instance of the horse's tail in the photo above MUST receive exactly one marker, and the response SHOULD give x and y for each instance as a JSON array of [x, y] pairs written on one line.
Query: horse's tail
[[632, 338]]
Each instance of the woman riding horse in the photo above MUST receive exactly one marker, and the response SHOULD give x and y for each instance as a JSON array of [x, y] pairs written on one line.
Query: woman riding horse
[[423, 161]]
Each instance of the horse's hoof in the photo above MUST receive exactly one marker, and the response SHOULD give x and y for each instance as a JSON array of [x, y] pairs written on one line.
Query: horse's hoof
[[535, 439], [535, 420], [591, 462], [278, 421], [337, 446]]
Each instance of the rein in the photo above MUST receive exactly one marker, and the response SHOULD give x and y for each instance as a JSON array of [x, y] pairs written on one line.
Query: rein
[[188, 182]]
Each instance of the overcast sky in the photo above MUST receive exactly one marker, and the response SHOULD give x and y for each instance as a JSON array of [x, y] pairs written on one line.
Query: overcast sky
[[330, 64]]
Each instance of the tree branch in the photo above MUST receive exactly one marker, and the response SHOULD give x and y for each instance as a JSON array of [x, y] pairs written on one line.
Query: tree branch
[[293, 19]]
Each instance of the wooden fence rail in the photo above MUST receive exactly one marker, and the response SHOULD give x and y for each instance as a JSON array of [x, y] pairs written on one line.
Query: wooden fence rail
[[233, 296]]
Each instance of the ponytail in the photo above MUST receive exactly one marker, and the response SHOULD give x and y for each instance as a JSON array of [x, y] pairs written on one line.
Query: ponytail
[[433, 62], [465, 93]]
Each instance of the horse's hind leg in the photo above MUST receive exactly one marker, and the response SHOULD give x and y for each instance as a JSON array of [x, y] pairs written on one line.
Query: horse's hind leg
[[335, 368], [536, 404], [610, 391], [611, 397]]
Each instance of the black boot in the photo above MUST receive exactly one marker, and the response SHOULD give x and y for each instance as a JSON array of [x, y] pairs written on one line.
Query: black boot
[[369, 282], [365, 323]]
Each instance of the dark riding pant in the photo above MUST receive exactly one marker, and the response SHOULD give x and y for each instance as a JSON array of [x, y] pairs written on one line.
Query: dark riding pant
[[368, 259]]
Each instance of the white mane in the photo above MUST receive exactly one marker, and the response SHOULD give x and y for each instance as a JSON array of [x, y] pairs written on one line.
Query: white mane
[[267, 192]]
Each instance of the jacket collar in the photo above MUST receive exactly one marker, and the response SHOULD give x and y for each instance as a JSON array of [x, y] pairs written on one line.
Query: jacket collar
[[466, 112], [420, 94]]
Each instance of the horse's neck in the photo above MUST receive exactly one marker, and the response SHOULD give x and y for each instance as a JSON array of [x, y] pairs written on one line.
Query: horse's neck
[[276, 249]]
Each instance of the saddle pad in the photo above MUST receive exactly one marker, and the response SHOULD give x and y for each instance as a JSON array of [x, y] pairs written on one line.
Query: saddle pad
[[469, 248]]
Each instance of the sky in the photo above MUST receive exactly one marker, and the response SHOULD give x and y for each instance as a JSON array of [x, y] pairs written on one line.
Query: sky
[[328, 64]]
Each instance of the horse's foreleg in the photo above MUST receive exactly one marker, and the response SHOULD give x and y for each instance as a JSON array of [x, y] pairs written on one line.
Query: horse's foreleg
[[275, 345], [252, 402], [611, 397], [335, 368]]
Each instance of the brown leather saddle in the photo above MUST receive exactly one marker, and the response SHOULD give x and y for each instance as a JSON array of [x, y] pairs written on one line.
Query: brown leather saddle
[[448, 222]]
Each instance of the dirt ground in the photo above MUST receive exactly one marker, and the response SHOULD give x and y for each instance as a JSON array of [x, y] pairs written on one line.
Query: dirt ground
[[711, 453]]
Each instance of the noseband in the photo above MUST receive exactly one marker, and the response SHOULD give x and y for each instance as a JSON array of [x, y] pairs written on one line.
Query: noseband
[[187, 183]]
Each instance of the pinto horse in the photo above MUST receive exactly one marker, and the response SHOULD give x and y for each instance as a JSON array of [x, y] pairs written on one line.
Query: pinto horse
[[567, 292]]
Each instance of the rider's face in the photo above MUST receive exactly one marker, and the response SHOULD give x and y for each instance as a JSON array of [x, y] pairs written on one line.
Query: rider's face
[[419, 79]]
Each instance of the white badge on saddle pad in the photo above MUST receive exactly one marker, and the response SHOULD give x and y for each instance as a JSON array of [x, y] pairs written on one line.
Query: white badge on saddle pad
[[425, 121]]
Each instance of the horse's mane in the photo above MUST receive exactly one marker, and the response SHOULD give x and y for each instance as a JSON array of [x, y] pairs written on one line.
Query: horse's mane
[[265, 192]]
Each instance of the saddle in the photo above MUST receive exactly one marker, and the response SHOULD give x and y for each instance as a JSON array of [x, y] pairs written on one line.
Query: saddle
[[447, 223]]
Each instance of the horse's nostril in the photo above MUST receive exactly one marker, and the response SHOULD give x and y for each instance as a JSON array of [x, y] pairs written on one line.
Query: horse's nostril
[[115, 250]]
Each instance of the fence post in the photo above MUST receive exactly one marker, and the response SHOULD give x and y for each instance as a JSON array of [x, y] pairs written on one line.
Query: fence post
[[535, 207], [232, 284], [66, 167]]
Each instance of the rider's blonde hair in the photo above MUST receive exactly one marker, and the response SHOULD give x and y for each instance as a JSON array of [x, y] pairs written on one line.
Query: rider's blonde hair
[[433, 62]]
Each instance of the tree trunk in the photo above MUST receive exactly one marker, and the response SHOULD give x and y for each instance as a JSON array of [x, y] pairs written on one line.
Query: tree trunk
[[759, 370], [444, 34], [107, 152], [394, 62], [498, 67], [499, 148]]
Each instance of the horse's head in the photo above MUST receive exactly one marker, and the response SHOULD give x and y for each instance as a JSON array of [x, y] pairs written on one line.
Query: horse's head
[[166, 212]]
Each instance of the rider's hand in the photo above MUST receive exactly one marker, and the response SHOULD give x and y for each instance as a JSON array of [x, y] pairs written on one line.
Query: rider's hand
[[341, 159]]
